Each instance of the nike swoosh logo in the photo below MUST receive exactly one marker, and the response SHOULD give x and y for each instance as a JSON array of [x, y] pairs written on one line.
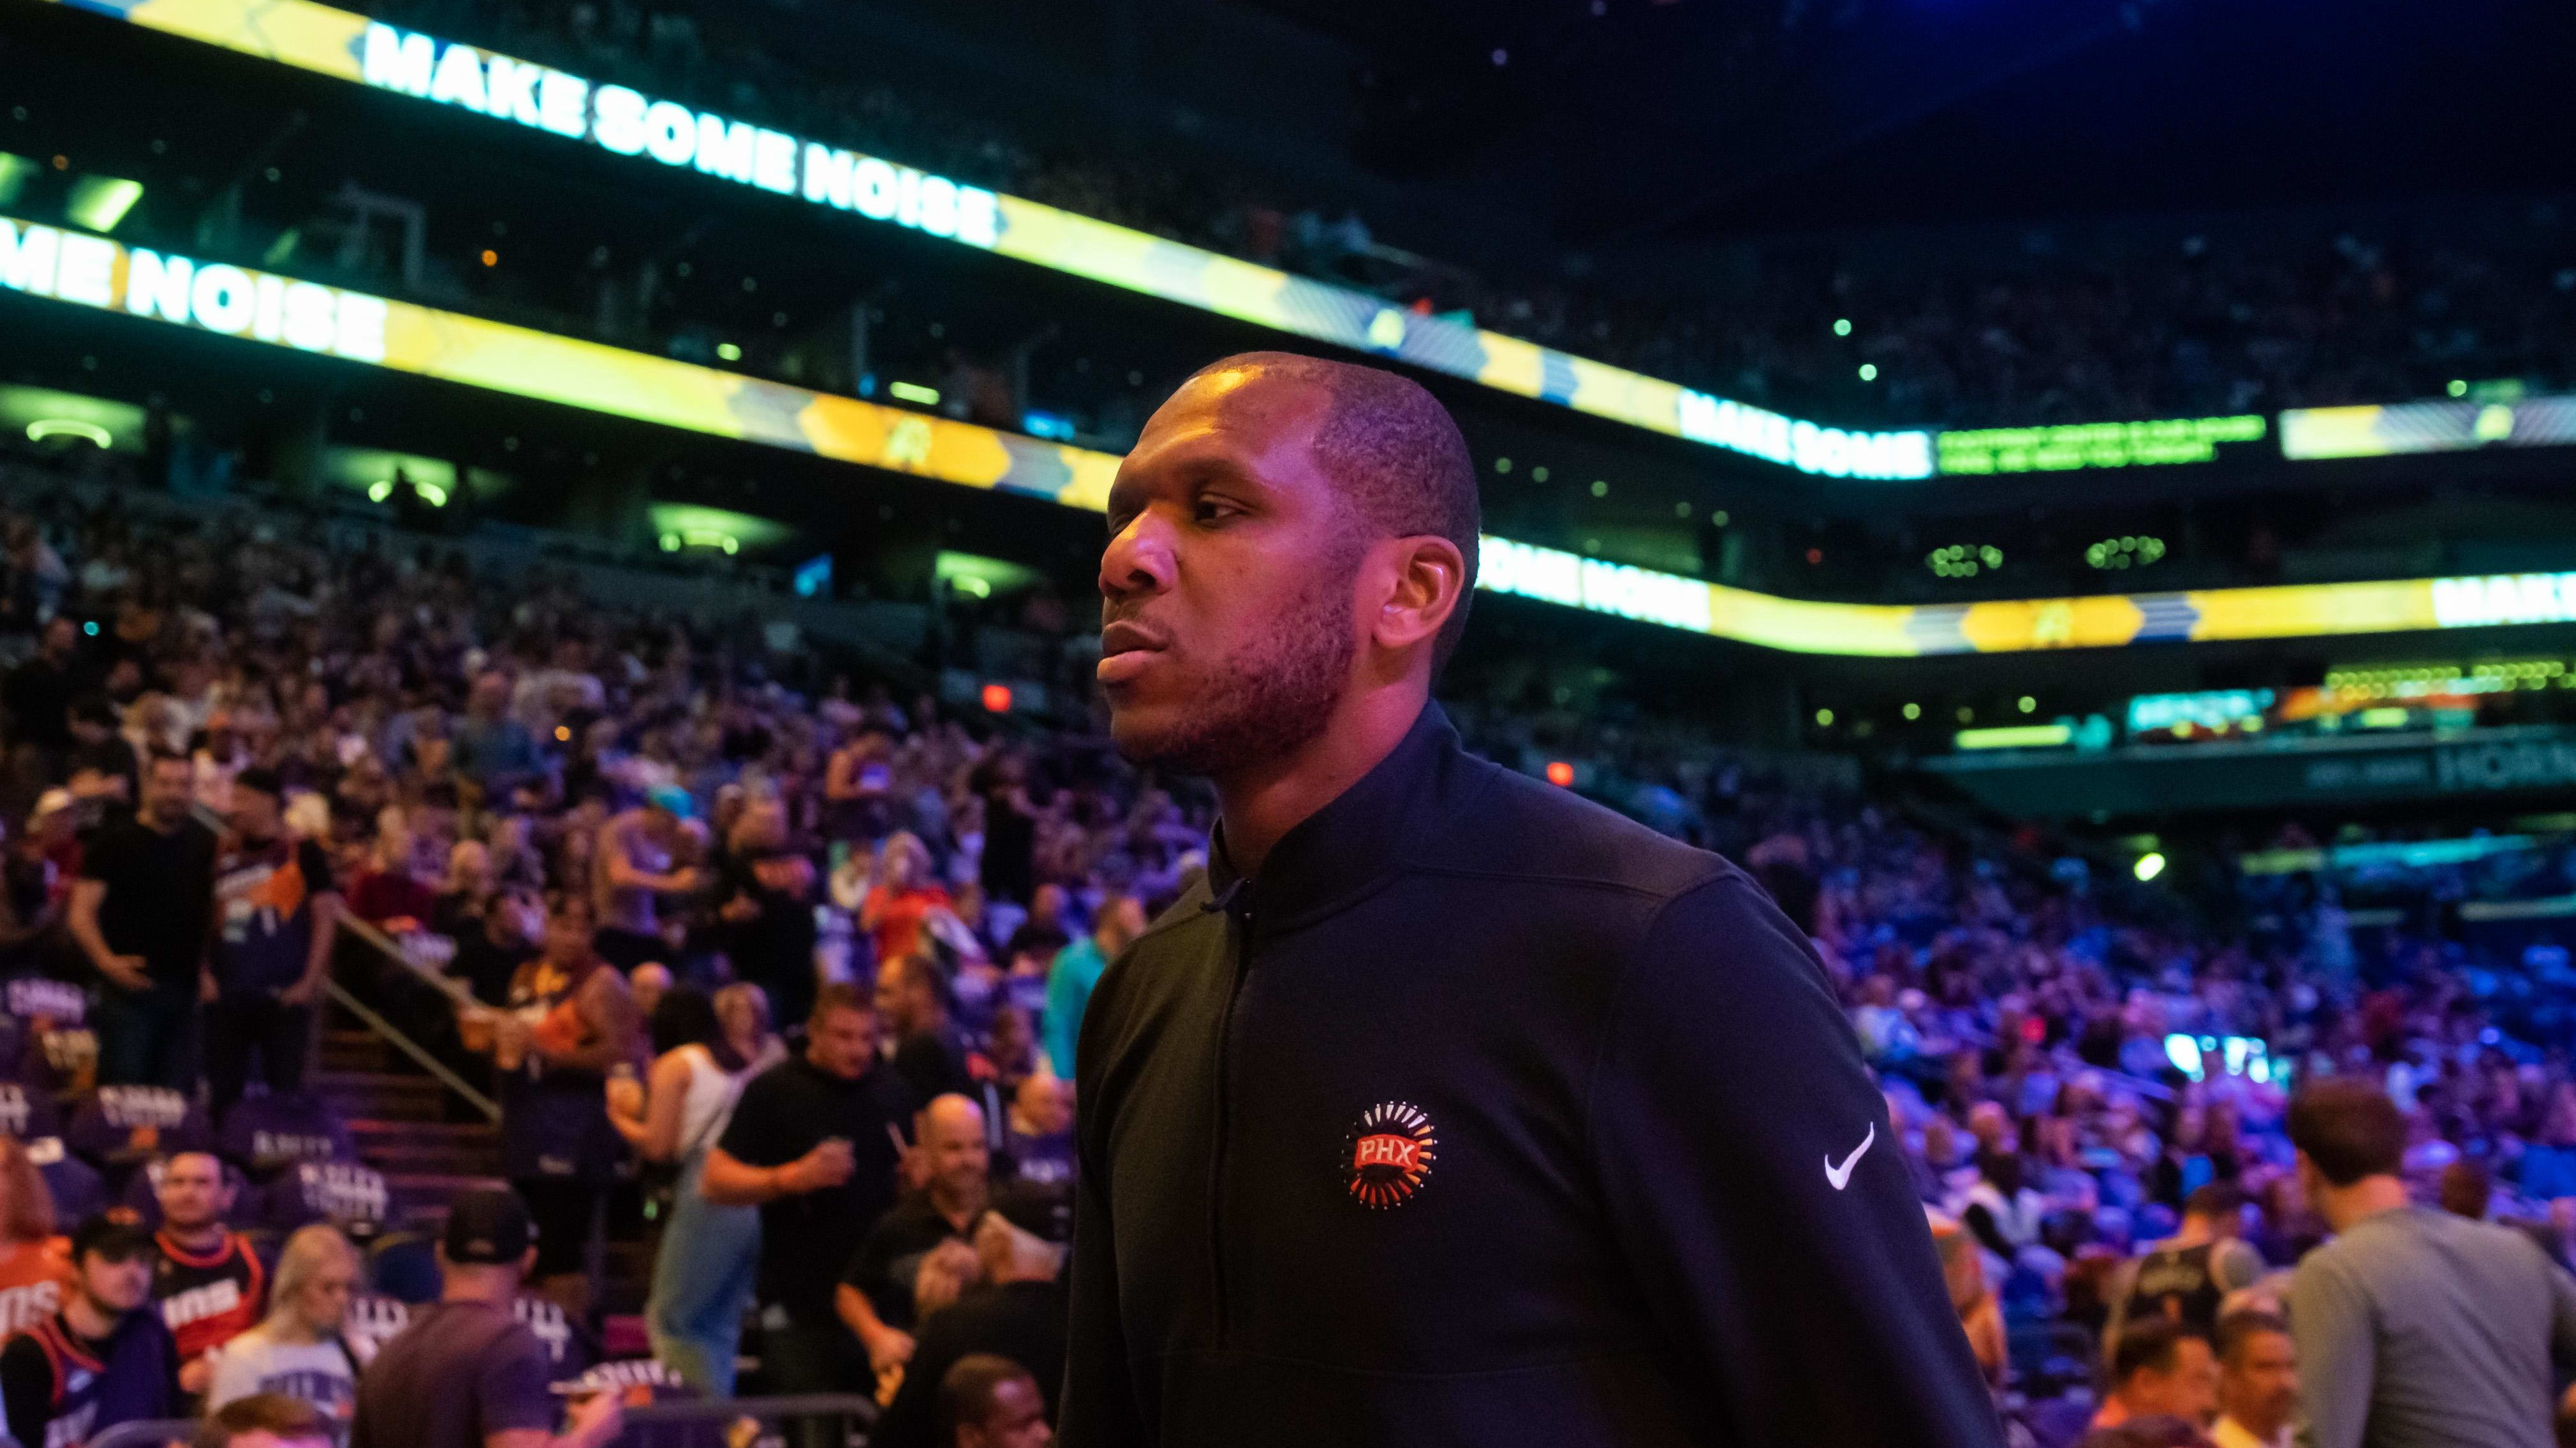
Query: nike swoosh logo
[[1839, 1177]]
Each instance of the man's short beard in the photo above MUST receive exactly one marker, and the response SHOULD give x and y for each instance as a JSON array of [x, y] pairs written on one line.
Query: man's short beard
[[1272, 699]]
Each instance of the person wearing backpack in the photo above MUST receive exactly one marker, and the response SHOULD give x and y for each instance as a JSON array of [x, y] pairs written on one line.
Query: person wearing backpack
[[296, 1351]]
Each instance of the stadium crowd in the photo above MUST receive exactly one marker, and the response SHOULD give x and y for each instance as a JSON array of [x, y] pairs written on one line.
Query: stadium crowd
[[2386, 313], [732, 929]]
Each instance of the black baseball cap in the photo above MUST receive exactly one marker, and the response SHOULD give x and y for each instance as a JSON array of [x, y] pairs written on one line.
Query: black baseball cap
[[116, 1234], [1043, 1211], [488, 1225]]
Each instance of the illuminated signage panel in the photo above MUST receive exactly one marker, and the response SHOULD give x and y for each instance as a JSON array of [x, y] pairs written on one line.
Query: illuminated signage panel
[[628, 123], [100, 274], [2426, 427], [2093, 445]]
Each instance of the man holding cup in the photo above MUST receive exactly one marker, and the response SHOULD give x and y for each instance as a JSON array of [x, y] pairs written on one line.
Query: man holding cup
[[815, 1143]]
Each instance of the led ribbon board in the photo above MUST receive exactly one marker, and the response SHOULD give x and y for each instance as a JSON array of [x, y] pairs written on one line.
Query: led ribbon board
[[2426, 427], [95, 272], [664, 133]]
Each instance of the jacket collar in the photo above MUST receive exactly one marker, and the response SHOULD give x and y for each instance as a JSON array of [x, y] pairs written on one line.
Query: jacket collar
[[1351, 845]]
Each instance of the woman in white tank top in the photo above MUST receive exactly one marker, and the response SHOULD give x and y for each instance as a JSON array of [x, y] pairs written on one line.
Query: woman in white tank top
[[702, 1277]]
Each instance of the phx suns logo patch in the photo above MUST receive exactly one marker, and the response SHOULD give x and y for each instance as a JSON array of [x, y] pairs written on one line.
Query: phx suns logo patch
[[1388, 1155]]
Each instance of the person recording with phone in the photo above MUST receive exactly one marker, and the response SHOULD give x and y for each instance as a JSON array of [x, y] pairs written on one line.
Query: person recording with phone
[[815, 1143]]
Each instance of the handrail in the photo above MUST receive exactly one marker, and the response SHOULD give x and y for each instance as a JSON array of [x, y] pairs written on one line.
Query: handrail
[[153, 1433], [420, 1055]]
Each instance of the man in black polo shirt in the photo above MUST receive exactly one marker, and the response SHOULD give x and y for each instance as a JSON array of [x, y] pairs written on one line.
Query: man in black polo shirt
[[1450, 1107], [814, 1143], [140, 912]]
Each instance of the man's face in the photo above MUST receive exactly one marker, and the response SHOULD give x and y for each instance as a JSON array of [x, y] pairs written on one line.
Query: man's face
[[567, 937], [895, 992], [168, 788], [841, 1041], [491, 695], [2188, 1392], [254, 814], [2261, 1383], [954, 1140], [118, 1284], [1017, 1419], [192, 1192], [1229, 613], [60, 639]]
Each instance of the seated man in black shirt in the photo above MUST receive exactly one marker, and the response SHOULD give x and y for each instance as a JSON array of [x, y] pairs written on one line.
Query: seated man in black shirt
[[920, 1253], [1019, 1313], [814, 1144]]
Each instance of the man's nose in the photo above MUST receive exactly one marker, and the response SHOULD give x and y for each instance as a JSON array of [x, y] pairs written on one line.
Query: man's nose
[[1138, 559]]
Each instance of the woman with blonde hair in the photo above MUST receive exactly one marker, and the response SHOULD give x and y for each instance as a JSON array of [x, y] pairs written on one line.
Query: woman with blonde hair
[[297, 1350], [902, 899], [34, 1265]]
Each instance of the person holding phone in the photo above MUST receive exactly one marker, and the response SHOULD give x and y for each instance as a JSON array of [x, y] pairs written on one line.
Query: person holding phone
[[815, 1143]]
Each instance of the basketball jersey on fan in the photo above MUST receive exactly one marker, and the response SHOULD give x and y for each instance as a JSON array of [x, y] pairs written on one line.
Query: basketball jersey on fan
[[206, 1301], [2176, 1283], [91, 1392]]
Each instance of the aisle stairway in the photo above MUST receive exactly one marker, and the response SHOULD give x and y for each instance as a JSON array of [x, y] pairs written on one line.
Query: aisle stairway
[[400, 1117]]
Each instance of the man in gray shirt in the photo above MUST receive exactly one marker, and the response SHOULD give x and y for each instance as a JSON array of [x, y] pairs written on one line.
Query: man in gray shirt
[[2414, 1326]]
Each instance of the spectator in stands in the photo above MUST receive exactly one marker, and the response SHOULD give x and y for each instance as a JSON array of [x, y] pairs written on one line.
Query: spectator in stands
[[269, 1420], [703, 1276], [490, 748], [2160, 1368], [922, 1251], [504, 939], [35, 1271], [466, 1373], [901, 898], [210, 1282], [768, 889], [389, 892], [1038, 1138], [858, 785], [913, 1000], [2466, 1189], [276, 913], [296, 1351], [1076, 970], [992, 1402], [1018, 1313], [39, 695], [2186, 1276], [635, 864], [1034, 942], [2258, 1381], [105, 1358], [572, 1025], [140, 913], [815, 1143], [2414, 1325]]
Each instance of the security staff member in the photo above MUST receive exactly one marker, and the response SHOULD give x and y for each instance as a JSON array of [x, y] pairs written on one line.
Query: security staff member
[[1451, 1108]]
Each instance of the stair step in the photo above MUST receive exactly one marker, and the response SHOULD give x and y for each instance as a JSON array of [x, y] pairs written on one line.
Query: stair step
[[367, 1128], [384, 1095]]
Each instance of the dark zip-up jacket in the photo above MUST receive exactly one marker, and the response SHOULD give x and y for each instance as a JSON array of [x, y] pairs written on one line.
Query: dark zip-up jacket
[[1482, 1115]]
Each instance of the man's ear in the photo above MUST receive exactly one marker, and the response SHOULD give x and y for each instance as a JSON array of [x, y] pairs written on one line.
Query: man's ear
[[1428, 584]]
